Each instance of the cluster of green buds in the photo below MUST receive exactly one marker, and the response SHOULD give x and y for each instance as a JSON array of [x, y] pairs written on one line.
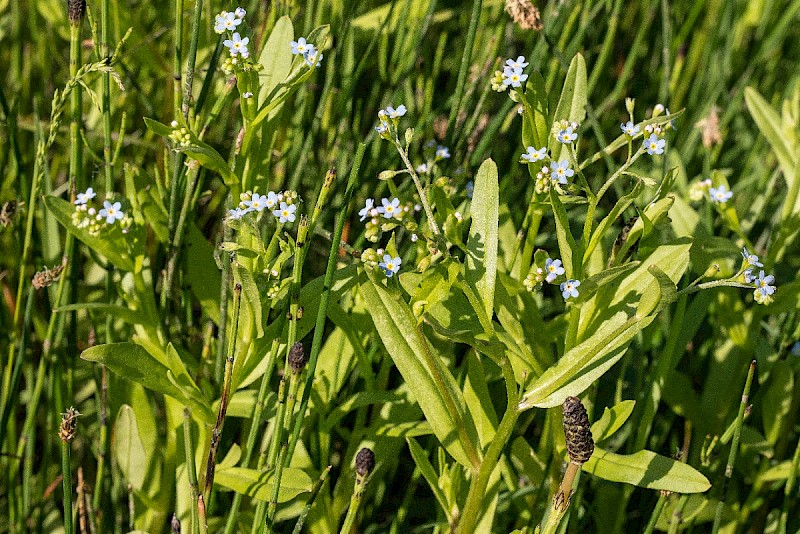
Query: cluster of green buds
[[699, 190], [238, 64], [371, 257], [180, 135], [401, 215]]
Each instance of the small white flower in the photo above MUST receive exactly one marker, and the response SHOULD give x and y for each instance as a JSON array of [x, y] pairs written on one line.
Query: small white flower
[[85, 197], [365, 211], [532, 155], [422, 168], [238, 213], [414, 238], [272, 200], [390, 265], [240, 12], [442, 152], [395, 113], [458, 216], [248, 94], [389, 209], [285, 212], [519, 63], [256, 202], [111, 212], [720, 195]]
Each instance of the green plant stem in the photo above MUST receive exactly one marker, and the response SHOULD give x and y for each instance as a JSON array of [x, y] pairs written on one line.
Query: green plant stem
[[192, 59], [676, 519], [66, 472], [651, 524], [734, 448], [466, 57], [225, 398], [787, 489], [319, 327], [477, 489], [349, 524], [198, 523], [16, 372], [298, 527]]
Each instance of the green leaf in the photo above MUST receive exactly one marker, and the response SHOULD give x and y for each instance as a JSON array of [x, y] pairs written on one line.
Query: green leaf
[[777, 401], [481, 260], [276, 57], [128, 315], [429, 473], [428, 378], [566, 241], [120, 252], [258, 484], [612, 420], [535, 126], [572, 103], [646, 469], [132, 362], [201, 271], [128, 447], [782, 140], [621, 205]]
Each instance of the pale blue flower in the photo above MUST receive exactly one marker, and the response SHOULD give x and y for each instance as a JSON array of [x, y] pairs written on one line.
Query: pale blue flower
[[422, 168], [112, 212], [389, 209], [365, 211], [654, 145], [519, 63], [561, 172], [554, 270], [751, 259], [469, 189], [395, 113], [567, 135], [257, 202], [532, 155], [312, 57], [226, 21], [285, 212], [240, 12], [442, 152], [85, 197], [720, 195], [300, 46], [390, 265], [238, 213], [748, 276], [762, 284], [382, 128], [569, 289], [237, 45], [272, 200], [630, 129], [513, 77]]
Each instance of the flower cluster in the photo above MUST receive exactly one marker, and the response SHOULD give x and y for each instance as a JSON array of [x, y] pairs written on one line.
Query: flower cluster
[[388, 216], [93, 220], [553, 175], [763, 282], [718, 195], [179, 135], [389, 117], [390, 265], [228, 22], [311, 55], [511, 75], [282, 205]]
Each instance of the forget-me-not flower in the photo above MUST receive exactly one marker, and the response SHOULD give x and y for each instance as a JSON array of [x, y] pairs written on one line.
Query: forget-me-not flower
[[763, 284], [238, 213], [751, 259], [272, 200], [364, 212], [518, 63], [285, 212], [240, 12], [313, 57], [561, 172], [720, 195], [554, 270], [112, 212], [300, 46], [567, 135], [395, 113], [654, 145], [257, 202], [513, 77], [85, 197], [389, 209], [569, 289], [442, 152], [390, 265], [237, 45], [532, 155], [630, 129]]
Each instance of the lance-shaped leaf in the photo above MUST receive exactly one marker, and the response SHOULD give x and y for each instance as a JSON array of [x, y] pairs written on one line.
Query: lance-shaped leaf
[[428, 378], [535, 125], [571, 104], [258, 484], [128, 447], [647, 469], [481, 268], [276, 57], [612, 420]]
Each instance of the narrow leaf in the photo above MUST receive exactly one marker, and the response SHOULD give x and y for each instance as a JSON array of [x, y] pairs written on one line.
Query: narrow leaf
[[481, 261], [646, 469], [258, 484]]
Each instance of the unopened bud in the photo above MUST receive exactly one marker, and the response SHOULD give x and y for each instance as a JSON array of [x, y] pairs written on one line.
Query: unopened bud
[[409, 135], [629, 105], [577, 431], [297, 358], [365, 462]]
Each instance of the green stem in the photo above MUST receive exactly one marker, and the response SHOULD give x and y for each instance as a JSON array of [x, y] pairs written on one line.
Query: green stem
[[734, 447], [66, 472], [651, 524], [191, 469], [192, 59], [464, 67]]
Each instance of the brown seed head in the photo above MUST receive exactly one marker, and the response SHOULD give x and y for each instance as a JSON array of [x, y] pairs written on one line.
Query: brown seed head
[[297, 358], [8, 213], [365, 462], [47, 277], [76, 9], [175, 524], [525, 14], [577, 431], [69, 422]]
